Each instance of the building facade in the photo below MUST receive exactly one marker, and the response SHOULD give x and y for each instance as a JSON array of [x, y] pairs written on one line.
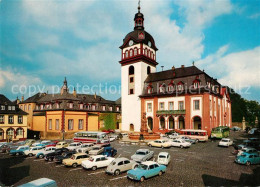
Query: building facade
[[13, 121], [64, 113], [179, 98]]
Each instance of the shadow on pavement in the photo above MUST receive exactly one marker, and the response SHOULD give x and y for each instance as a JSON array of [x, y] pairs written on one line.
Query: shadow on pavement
[[244, 180], [9, 175]]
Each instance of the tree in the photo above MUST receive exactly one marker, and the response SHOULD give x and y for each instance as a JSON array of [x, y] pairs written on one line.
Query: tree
[[109, 121]]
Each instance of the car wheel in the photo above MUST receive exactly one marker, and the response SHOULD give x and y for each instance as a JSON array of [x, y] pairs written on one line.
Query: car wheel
[[160, 173], [74, 165], [17, 154], [94, 168], [181, 146], [150, 145], [117, 172], [248, 163], [41, 156], [197, 140], [30, 154], [142, 179], [162, 147], [50, 159]]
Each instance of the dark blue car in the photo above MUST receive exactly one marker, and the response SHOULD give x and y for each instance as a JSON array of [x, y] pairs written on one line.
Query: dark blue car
[[109, 151]]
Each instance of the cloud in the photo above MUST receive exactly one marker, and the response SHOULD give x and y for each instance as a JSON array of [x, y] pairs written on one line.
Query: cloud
[[254, 16], [237, 69]]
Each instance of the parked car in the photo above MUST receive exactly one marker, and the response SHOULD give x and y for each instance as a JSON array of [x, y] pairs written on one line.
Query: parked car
[[238, 148], [253, 131], [62, 144], [113, 138], [146, 170], [75, 160], [170, 132], [10, 147], [85, 148], [98, 161], [50, 156], [257, 140], [45, 142], [5, 147], [97, 149], [105, 143], [159, 143], [235, 128], [51, 144], [180, 143], [33, 151], [252, 144], [19, 151], [188, 139], [225, 142], [174, 135], [64, 155], [246, 150], [120, 165], [37, 144], [248, 158], [108, 130], [45, 151], [109, 151], [142, 155], [29, 142], [163, 158], [74, 146], [42, 182]]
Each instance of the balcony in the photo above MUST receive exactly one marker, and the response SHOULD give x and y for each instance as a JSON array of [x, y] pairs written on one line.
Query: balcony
[[170, 112]]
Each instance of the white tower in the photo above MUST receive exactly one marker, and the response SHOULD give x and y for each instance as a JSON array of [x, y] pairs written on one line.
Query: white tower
[[138, 59]]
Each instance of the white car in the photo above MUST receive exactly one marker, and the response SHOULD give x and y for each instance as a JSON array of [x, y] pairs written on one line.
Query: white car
[[98, 161], [45, 151], [225, 142], [33, 151], [159, 143], [45, 141], [174, 135], [74, 146], [180, 143], [36, 144], [85, 148], [163, 158]]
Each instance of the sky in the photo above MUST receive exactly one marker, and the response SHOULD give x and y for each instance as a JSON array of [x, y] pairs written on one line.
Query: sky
[[43, 41]]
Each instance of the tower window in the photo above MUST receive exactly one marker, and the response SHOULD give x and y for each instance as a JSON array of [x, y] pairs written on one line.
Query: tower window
[[126, 54], [131, 53], [135, 52], [131, 79], [148, 70], [131, 91], [145, 52], [131, 70]]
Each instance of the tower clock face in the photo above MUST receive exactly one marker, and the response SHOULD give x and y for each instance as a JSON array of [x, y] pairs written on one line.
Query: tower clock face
[[149, 44], [131, 42]]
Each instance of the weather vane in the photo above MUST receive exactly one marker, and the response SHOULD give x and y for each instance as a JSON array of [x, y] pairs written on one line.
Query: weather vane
[[139, 6]]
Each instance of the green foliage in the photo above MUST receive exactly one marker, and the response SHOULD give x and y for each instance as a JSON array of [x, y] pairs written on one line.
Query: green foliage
[[244, 108], [110, 121]]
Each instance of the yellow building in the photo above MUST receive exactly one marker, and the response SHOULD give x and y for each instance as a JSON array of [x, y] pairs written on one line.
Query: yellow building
[[13, 121], [63, 114]]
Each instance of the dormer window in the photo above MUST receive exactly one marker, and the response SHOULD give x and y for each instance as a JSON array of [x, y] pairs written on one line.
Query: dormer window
[[162, 88], [57, 105], [149, 90], [126, 53], [110, 108], [80, 106], [93, 107], [71, 105], [104, 108], [180, 86], [196, 83], [170, 88]]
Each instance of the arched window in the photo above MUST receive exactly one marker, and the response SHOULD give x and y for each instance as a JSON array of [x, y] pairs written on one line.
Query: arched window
[[131, 53], [1, 134], [162, 123], [196, 83], [135, 52], [151, 54], [131, 70], [148, 70], [148, 53], [126, 53], [19, 132]]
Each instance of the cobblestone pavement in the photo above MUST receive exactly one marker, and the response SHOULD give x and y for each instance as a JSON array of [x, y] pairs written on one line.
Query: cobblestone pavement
[[201, 164]]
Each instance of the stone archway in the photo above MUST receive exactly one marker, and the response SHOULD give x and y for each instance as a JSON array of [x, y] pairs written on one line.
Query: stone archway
[[150, 123], [196, 122], [162, 122], [181, 122], [171, 122], [1, 134]]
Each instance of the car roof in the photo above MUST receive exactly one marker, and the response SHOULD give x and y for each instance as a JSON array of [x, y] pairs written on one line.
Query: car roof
[[149, 162], [144, 150], [97, 146], [163, 153], [62, 142], [98, 156], [245, 153], [87, 144], [225, 139], [78, 154]]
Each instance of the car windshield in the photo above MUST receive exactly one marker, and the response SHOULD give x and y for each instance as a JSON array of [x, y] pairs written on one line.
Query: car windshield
[[73, 157], [95, 148], [224, 140], [113, 163], [162, 156], [73, 144], [142, 166], [243, 155], [140, 153]]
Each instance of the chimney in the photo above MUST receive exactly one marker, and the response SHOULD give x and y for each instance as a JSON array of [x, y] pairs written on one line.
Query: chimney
[[182, 66], [173, 68], [17, 100], [22, 98], [74, 92]]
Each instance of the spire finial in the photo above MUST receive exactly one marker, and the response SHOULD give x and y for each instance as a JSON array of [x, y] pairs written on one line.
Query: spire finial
[[139, 6]]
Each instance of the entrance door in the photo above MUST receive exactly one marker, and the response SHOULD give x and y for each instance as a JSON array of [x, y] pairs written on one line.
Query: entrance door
[[171, 122], [150, 123], [132, 127]]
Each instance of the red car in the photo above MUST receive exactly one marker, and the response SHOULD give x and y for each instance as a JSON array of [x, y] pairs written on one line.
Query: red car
[[109, 131], [52, 144]]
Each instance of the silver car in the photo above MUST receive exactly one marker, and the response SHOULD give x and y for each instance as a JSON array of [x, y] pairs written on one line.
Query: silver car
[[120, 165], [97, 149], [142, 155]]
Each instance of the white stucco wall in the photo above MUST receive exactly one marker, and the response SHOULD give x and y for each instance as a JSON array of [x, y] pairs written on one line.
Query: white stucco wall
[[193, 111]]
